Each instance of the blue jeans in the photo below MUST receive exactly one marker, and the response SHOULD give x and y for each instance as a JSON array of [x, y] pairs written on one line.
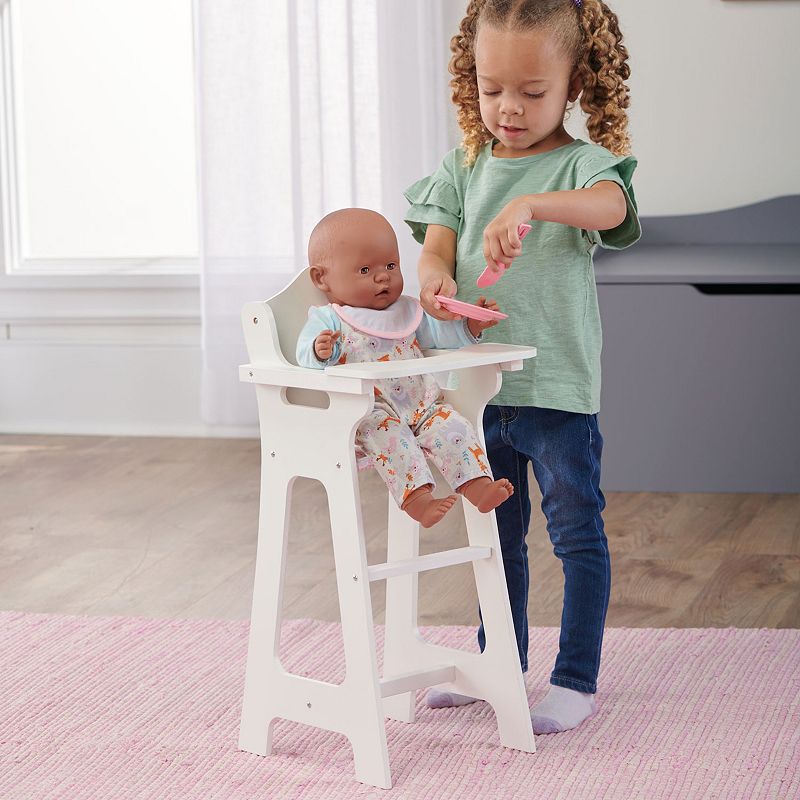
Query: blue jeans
[[564, 449]]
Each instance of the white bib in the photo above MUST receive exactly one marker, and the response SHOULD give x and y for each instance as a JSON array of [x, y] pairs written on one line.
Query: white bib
[[397, 321]]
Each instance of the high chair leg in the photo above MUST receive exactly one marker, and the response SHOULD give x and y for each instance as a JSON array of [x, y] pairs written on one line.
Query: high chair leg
[[263, 666], [402, 593], [497, 673], [355, 706], [494, 675], [361, 715]]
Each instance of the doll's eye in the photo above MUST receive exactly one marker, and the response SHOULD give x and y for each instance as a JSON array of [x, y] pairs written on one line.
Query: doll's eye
[[391, 265], [364, 270]]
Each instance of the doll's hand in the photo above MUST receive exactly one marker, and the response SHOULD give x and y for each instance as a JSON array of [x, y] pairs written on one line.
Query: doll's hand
[[501, 239], [323, 344], [476, 326], [441, 284]]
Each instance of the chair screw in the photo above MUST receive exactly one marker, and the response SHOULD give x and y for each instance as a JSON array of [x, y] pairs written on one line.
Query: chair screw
[[255, 320], [338, 465], [308, 705], [355, 577], [273, 454]]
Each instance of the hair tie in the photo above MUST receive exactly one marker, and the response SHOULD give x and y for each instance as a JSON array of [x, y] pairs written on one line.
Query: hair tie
[[578, 3]]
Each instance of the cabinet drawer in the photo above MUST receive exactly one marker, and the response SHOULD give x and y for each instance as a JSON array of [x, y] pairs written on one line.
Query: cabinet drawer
[[701, 391]]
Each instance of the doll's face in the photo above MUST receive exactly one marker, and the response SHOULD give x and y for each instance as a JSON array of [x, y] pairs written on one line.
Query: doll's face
[[356, 261]]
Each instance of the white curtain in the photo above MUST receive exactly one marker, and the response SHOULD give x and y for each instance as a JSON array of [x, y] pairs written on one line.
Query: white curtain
[[304, 106]]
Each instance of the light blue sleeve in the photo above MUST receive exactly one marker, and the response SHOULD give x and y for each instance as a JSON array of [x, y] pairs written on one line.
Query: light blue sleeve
[[320, 318], [446, 334]]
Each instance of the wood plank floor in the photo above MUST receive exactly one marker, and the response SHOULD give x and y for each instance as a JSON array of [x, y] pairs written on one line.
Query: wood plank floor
[[167, 528]]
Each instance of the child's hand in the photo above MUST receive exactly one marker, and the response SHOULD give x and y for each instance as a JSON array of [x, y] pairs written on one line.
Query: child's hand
[[323, 344], [441, 284], [501, 241], [476, 326]]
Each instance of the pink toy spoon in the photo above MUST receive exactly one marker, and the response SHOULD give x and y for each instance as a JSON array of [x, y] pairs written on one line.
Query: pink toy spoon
[[490, 275]]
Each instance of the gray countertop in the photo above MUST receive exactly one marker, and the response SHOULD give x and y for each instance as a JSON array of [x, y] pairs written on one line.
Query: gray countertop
[[700, 263]]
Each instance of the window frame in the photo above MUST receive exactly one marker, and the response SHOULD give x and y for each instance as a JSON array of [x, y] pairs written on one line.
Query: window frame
[[52, 273]]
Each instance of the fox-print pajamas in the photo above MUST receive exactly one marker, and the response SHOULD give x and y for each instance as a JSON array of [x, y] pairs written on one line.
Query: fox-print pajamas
[[409, 413]]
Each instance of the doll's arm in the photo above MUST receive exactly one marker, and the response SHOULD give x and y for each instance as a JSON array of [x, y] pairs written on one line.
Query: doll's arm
[[435, 334], [320, 321]]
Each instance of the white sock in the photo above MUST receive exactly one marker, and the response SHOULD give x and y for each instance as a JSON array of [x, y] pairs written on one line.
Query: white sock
[[561, 710], [436, 699]]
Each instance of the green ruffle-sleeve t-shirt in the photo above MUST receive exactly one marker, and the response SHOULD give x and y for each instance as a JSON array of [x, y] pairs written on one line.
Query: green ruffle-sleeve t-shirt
[[549, 292]]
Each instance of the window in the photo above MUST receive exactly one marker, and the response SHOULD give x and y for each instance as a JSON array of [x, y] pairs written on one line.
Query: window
[[98, 137]]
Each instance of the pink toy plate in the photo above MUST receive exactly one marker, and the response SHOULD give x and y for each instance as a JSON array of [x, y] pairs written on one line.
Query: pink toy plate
[[469, 310], [490, 275]]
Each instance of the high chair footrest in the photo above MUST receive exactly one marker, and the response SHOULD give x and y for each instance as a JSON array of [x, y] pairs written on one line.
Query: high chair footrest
[[446, 558], [419, 679]]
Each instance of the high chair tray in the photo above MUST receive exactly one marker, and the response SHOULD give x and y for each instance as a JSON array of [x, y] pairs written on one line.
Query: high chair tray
[[474, 355]]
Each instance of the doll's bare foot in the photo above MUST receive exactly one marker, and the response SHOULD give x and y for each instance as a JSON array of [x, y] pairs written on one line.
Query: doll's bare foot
[[426, 509], [486, 494]]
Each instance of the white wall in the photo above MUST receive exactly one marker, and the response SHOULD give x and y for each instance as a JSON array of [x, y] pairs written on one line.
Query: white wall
[[114, 357], [713, 122]]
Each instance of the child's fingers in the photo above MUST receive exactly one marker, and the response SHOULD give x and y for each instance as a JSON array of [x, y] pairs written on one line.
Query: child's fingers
[[427, 297], [499, 254], [429, 292], [487, 253], [493, 252], [510, 250], [432, 305]]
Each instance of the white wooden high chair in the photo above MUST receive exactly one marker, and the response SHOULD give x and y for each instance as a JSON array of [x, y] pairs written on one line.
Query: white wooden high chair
[[300, 440]]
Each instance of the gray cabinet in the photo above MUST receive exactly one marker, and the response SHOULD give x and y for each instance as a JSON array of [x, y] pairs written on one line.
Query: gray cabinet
[[701, 353]]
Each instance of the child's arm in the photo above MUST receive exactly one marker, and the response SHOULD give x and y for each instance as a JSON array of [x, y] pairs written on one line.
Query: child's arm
[[437, 264], [319, 343], [598, 208]]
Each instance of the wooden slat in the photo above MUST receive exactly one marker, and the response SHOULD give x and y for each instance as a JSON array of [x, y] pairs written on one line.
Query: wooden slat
[[409, 681], [446, 558]]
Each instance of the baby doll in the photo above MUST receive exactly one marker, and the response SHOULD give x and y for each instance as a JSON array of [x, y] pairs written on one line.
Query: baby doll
[[355, 261]]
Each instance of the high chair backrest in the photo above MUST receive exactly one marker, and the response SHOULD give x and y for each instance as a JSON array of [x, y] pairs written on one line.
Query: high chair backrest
[[273, 339]]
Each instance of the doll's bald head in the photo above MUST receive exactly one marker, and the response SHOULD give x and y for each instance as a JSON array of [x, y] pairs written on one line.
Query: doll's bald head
[[355, 260]]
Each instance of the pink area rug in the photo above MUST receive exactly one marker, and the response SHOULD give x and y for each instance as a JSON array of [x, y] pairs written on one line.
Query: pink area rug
[[117, 708]]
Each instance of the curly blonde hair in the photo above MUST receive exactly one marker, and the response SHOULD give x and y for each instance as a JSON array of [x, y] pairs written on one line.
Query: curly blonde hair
[[589, 33]]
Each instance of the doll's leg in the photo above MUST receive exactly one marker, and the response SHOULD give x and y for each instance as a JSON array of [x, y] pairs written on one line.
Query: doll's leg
[[391, 446], [454, 447]]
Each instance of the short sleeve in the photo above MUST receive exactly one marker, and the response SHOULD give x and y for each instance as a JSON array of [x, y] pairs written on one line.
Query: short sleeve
[[434, 200], [618, 169]]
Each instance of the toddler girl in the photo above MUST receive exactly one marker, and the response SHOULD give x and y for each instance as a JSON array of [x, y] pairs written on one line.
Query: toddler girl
[[516, 66]]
